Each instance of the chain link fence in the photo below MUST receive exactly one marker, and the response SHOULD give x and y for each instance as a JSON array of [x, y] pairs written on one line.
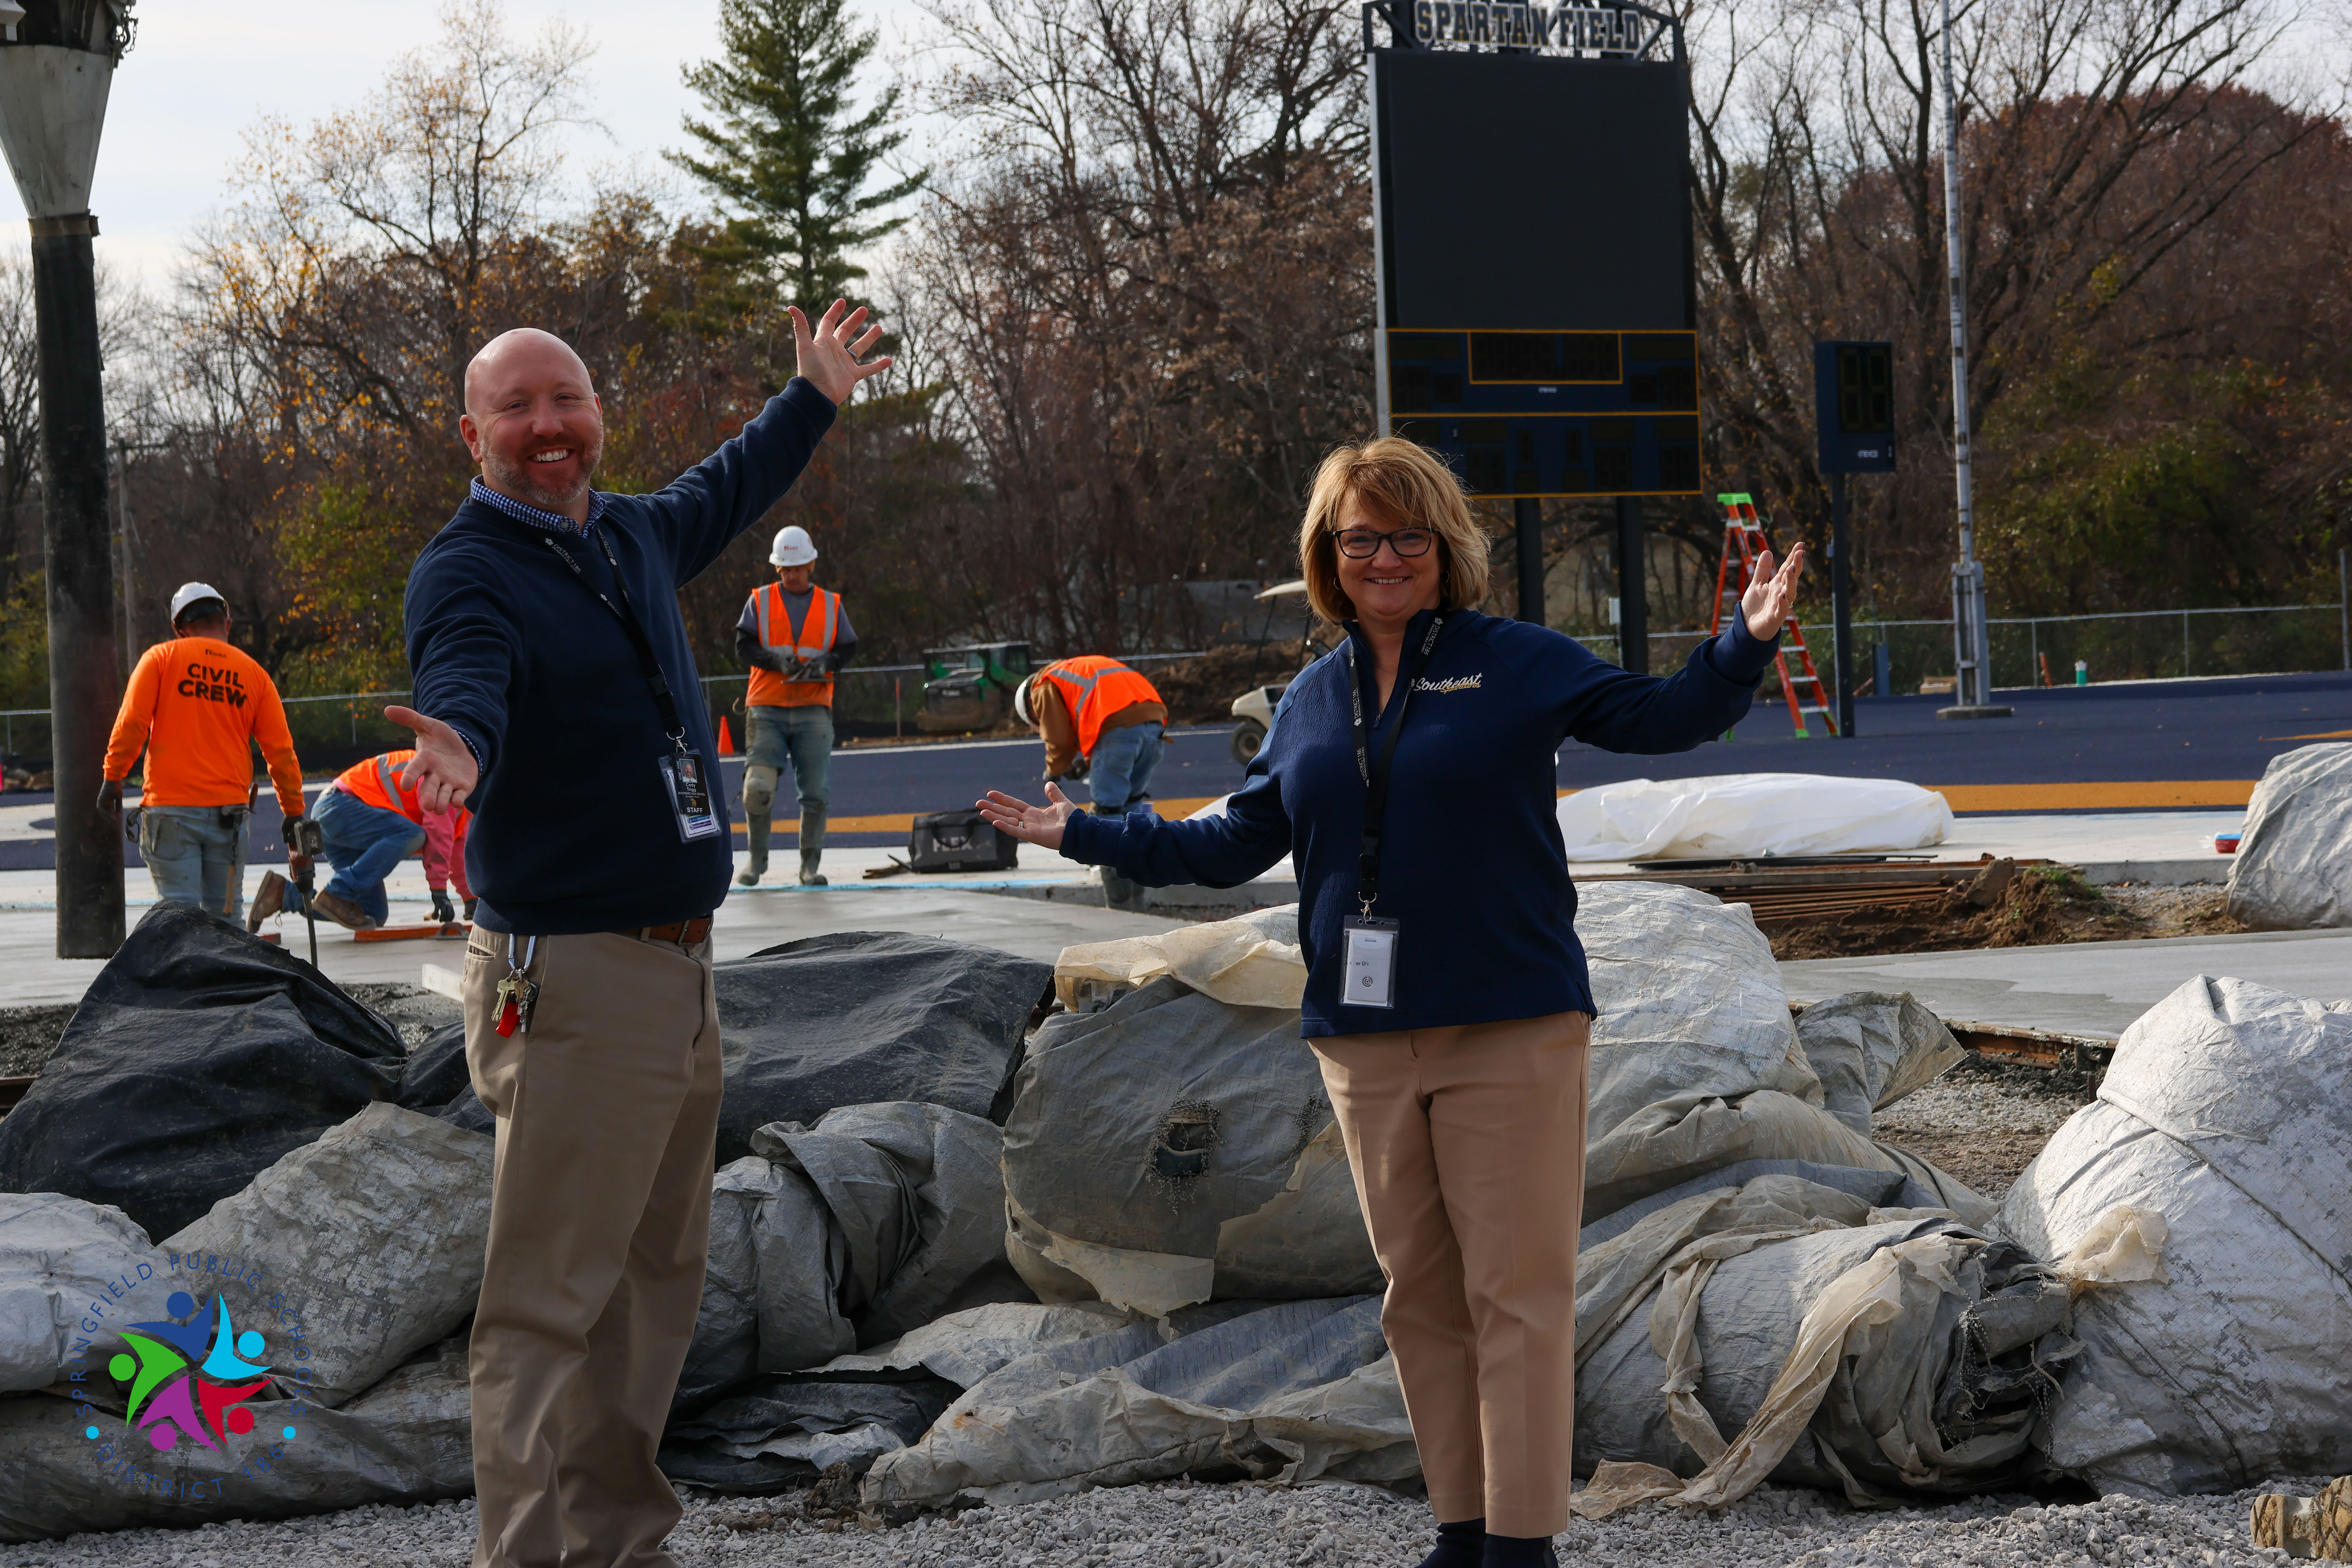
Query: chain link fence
[[340, 727], [2032, 650]]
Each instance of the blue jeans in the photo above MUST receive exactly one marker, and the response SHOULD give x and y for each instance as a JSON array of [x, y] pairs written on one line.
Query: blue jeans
[[363, 844], [798, 738], [1120, 769], [195, 856]]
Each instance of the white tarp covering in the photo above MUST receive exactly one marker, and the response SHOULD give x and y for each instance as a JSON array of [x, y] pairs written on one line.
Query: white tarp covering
[[1749, 813], [2293, 871], [58, 1255], [2228, 1111]]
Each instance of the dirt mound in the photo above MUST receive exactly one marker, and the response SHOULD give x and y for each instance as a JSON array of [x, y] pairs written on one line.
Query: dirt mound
[[2044, 904]]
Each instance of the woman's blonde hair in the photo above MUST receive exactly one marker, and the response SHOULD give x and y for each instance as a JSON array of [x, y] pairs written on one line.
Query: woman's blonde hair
[[1405, 486]]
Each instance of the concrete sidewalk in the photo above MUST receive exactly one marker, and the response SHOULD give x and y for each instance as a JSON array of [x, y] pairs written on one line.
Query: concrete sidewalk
[[749, 920], [2094, 988]]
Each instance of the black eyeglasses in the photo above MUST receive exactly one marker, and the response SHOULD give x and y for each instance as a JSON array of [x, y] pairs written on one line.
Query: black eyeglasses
[[1363, 544]]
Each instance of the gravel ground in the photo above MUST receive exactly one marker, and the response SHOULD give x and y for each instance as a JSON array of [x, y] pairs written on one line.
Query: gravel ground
[[27, 1036], [2193, 909], [1181, 1526], [1985, 1120]]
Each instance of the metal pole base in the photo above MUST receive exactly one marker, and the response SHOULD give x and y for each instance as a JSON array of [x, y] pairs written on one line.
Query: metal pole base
[[1975, 711]]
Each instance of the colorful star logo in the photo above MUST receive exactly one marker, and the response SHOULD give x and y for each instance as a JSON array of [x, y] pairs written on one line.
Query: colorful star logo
[[191, 1378]]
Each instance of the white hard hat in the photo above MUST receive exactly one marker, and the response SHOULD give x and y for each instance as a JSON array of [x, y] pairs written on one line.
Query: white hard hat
[[196, 593], [1021, 702], [792, 548]]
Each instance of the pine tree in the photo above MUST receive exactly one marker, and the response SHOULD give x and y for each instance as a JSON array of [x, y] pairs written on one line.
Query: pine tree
[[782, 150]]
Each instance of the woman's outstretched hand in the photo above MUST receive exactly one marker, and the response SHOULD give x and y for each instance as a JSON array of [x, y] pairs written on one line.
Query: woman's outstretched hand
[[1771, 595], [1038, 825]]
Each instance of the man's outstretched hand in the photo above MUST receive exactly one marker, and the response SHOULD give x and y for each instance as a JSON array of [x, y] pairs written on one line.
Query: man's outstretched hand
[[442, 773], [1771, 595], [1038, 825], [828, 353]]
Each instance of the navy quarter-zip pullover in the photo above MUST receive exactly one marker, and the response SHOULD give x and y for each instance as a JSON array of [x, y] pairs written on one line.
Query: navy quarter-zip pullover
[[1472, 860], [572, 825]]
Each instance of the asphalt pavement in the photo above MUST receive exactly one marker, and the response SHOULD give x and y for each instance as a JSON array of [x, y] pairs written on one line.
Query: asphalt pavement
[[2122, 746]]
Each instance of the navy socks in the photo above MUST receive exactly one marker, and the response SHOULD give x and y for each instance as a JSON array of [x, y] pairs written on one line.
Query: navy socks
[[1459, 1545], [1518, 1551]]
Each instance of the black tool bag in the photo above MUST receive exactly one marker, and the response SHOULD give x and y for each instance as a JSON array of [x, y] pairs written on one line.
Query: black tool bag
[[959, 841]]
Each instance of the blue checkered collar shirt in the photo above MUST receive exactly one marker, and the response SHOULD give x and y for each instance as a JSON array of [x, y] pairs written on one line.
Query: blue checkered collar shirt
[[554, 521]]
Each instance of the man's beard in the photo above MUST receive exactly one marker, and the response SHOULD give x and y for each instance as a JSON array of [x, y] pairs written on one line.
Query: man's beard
[[524, 479]]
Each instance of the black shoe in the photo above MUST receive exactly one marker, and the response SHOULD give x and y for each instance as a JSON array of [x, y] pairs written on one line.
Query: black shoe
[[1519, 1552], [1460, 1544]]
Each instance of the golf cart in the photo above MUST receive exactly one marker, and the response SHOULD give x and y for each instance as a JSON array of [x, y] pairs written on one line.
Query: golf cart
[[1254, 707]]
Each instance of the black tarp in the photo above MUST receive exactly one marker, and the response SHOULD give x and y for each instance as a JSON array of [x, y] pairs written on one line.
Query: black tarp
[[436, 1082], [858, 1017], [198, 1055]]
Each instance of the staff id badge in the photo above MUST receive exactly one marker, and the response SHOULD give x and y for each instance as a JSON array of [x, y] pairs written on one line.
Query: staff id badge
[[1372, 961], [689, 796]]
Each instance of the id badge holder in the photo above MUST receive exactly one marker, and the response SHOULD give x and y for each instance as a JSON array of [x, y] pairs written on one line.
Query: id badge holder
[[1370, 974], [689, 796]]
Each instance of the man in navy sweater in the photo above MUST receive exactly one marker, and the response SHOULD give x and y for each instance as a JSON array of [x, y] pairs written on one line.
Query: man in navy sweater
[[555, 691]]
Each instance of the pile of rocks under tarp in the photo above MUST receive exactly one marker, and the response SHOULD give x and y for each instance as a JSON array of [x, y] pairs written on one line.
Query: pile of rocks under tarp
[[976, 1251]]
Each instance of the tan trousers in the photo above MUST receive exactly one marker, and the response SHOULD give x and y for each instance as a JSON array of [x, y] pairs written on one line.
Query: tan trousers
[[600, 1221], [1467, 1145]]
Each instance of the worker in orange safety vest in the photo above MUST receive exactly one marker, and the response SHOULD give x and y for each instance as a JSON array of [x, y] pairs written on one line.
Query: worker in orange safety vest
[[794, 636], [370, 824], [197, 705], [1102, 722]]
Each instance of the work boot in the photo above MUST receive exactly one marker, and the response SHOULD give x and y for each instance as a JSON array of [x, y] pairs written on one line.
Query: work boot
[[755, 830], [1118, 893], [267, 900], [342, 912], [812, 847]]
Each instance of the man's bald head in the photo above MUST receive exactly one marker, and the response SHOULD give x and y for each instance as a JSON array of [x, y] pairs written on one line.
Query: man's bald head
[[533, 420], [524, 355]]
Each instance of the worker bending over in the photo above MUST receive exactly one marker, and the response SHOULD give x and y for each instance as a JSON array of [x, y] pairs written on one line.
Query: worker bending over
[[794, 635], [371, 823], [1102, 722], [197, 705]]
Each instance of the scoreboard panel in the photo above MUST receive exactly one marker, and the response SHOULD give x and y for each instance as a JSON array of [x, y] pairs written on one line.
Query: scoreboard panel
[[1537, 291], [1532, 414]]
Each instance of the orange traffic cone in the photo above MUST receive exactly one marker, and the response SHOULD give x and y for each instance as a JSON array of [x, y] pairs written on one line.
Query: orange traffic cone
[[726, 738]]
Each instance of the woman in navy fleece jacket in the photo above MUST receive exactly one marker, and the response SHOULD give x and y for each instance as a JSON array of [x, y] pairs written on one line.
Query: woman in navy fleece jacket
[[1463, 1103]]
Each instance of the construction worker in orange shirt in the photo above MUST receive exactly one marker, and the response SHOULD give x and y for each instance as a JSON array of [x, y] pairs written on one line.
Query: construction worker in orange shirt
[[1102, 722], [371, 823], [197, 706], [794, 635]]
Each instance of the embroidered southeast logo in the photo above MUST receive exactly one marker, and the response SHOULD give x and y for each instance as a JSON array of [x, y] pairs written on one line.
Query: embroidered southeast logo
[[190, 1379], [1451, 683]]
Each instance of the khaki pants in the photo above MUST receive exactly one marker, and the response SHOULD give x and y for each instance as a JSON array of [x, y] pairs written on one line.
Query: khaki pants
[[1467, 1145], [599, 1220]]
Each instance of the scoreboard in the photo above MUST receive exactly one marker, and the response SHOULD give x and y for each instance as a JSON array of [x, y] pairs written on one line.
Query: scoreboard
[[1537, 293]]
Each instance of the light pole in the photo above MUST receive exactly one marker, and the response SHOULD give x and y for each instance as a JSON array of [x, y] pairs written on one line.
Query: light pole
[[1971, 640], [56, 60]]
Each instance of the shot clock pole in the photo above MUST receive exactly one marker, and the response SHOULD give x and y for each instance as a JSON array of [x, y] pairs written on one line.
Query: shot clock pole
[[57, 61], [1841, 604]]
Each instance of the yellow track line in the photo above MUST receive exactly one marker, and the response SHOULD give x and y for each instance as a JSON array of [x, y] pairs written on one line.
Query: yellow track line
[[2127, 795]]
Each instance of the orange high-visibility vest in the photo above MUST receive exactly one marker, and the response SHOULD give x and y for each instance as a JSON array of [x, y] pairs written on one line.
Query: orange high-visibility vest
[[377, 782], [814, 636], [1095, 686]]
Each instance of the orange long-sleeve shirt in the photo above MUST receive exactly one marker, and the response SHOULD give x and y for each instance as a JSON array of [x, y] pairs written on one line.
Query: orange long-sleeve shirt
[[197, 705]]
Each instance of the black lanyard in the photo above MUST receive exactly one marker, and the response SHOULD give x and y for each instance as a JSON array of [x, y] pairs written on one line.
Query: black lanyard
[[1376, 778], [626, 612]]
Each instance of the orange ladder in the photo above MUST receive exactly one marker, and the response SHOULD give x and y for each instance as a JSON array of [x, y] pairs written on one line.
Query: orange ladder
[[1743, 542]]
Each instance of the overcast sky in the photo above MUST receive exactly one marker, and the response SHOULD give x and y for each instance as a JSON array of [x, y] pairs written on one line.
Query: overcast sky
[[201, 74]]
